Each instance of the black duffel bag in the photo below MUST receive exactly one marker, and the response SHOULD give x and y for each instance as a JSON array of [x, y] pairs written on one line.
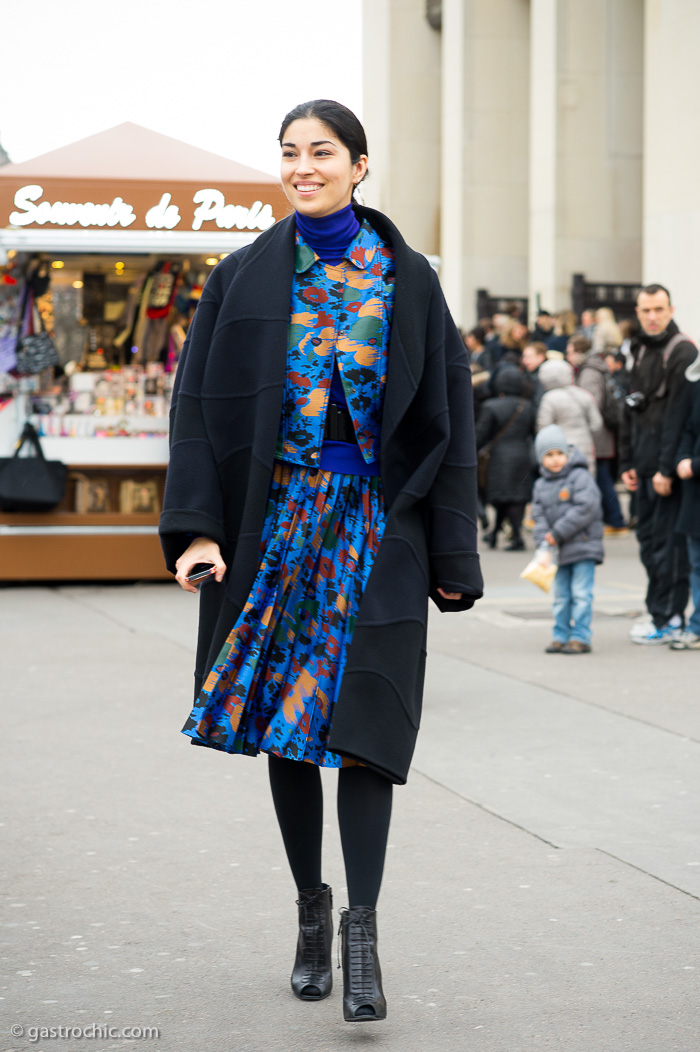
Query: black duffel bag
[[31, 483]]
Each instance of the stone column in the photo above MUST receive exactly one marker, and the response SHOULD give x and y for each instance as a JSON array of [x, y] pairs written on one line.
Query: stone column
[[484, 242], [543, 154], [672, 155], [585, 144], [401, 115]]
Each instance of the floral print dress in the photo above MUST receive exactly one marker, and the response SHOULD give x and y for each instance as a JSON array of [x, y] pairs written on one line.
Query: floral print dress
[[274, 684]]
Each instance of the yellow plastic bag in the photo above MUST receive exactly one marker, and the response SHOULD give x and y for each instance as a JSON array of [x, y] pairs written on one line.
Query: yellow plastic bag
[[542, 568]]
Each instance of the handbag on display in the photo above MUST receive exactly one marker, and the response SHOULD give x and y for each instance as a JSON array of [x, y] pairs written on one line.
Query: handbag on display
[[36, 351], [31, 483]]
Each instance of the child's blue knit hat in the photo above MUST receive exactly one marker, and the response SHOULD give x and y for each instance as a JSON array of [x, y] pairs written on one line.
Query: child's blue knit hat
[[549, 438]]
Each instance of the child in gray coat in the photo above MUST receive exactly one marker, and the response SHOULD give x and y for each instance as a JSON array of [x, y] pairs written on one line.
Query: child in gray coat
[[567, 511]]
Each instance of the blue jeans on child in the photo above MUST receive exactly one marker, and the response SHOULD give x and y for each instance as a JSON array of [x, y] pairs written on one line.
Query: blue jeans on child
[[573, 602], [694, 556]]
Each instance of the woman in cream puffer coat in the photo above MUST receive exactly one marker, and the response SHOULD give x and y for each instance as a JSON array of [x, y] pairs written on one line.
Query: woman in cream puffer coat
[[572, 408]]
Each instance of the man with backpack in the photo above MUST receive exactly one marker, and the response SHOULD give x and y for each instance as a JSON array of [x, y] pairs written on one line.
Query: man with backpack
[[650, 431], [593, 375]]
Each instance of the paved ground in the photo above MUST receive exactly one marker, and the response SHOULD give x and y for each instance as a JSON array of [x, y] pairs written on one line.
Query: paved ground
[[543, 882]]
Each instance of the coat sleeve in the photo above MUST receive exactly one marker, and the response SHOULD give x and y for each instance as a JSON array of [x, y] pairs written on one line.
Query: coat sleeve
[[593, 415], [685, 446], [452, 499], [539, 516], [193, 503], [677, 406], [581, 512]]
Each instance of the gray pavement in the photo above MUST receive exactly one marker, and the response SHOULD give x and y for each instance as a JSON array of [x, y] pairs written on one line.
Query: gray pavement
[[543, 878]]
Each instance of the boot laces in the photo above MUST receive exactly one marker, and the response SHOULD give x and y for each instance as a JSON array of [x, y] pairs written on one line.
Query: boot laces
[[359, 952]]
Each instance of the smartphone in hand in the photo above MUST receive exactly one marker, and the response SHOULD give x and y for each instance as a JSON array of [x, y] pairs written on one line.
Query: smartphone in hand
[[199, 572]]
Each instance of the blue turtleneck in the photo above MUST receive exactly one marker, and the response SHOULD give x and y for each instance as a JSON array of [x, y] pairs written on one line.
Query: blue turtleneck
[[329, 236]]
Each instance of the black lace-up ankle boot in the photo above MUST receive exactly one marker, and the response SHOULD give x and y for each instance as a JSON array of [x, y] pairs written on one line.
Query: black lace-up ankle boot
[[363, 997], [312, 978]]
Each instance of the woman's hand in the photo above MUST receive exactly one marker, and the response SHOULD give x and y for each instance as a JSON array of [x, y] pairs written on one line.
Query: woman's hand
[[450, 595], [685, 469], [202, 550]]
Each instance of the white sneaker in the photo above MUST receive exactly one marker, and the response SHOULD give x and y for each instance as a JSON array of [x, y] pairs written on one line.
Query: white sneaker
[[640, 628], [686, 641], [654, 636]]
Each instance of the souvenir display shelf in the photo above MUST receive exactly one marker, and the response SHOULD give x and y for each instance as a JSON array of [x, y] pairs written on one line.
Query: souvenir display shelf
[[69, 545]]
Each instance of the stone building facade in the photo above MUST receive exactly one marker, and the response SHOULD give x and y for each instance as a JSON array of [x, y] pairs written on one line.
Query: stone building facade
[[526, 141]]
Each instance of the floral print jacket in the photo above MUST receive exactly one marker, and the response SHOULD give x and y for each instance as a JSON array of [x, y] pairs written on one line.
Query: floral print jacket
[[338, 313]]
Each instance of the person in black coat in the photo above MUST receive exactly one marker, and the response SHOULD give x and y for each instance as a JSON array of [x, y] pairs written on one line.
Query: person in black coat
[[508, 423], [688, 469], [650, 430], [333, 286]]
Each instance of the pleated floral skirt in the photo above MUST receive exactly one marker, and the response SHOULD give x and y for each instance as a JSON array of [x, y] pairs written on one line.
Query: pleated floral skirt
[[275, 682]]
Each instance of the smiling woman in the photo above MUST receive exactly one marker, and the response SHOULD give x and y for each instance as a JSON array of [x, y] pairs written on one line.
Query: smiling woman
[[324, 157], [323, 462]]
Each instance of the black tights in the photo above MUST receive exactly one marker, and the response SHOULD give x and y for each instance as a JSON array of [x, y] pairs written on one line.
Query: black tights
[[364, 812]]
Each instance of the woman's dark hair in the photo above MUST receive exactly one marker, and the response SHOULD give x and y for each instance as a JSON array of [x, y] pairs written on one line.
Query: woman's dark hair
[[342, 122]]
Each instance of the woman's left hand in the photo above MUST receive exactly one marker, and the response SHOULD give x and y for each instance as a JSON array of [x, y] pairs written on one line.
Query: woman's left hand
[[450, 595]]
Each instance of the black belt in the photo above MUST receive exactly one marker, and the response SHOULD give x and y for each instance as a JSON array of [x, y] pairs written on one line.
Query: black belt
[[339, 424]]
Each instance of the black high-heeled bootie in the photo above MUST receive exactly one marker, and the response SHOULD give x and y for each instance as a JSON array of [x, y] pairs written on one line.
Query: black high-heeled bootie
[[312, 977], [363, 997]]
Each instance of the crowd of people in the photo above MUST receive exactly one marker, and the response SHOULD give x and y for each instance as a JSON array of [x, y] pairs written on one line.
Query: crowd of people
[[573, 401]]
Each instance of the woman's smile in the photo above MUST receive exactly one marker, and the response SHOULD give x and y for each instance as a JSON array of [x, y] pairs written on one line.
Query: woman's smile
[[308, 188]]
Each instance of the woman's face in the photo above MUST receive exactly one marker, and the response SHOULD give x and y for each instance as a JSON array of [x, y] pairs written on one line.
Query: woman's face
[[318, 175]]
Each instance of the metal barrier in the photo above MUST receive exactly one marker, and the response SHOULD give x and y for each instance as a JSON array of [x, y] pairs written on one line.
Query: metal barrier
[[488, 305], [620, 297]]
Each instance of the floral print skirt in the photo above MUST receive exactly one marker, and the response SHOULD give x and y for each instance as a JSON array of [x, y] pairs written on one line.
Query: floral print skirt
[[275, 682]]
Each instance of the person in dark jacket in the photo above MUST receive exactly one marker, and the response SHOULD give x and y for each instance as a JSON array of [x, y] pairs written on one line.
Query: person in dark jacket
[[567, 510], [688, 469], [592, 375], [507, 421], [649, 436], [544, 327], [534, 357], [323, 462]]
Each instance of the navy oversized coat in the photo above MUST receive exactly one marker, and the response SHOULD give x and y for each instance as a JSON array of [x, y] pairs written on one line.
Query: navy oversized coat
[[225, 417]]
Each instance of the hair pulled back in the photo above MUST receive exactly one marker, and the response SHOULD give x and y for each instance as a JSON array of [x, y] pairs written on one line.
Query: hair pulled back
[[342, 122]]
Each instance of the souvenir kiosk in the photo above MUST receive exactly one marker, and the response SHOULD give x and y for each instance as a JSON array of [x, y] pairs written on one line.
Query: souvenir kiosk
[[124, 226]]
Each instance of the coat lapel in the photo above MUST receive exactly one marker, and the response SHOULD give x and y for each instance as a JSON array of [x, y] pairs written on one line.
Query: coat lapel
[[259, 301], [408, 331]]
